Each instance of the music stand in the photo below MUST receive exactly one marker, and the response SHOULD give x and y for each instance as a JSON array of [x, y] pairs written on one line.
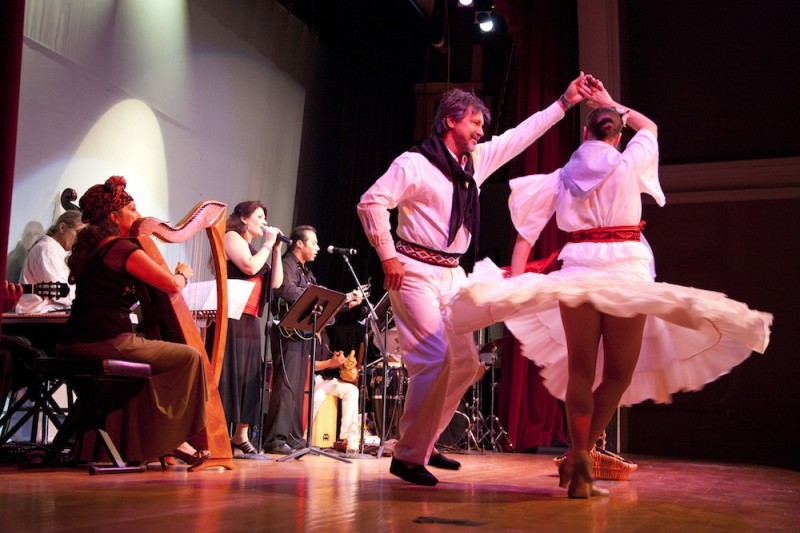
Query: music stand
[[311, 313]]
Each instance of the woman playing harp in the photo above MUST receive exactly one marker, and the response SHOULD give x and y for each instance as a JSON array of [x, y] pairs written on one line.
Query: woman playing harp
[[108, 268]]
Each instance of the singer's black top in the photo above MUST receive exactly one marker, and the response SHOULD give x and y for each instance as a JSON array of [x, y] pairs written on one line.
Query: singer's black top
[[235, 273]]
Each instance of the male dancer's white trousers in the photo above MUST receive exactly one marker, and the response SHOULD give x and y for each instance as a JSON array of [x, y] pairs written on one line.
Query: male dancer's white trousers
[[439, 373]]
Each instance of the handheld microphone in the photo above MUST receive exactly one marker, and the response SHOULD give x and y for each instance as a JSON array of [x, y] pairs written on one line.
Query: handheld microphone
[[342, 251], [281, 237]]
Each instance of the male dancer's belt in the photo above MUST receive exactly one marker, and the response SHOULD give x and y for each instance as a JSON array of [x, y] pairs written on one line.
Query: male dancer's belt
[[426, 255]]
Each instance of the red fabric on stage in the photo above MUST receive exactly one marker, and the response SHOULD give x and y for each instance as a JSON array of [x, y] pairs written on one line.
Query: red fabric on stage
[[540, 266], [545, 41], [531, 415], [12, 13]]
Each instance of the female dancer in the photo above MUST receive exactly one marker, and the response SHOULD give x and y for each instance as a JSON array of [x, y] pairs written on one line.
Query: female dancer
[[603, 310]]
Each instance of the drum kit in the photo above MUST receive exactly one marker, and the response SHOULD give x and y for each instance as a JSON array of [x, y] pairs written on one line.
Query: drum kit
[[470, 429]]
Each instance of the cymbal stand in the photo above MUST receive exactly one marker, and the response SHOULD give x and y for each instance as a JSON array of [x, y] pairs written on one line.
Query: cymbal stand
[[372, 324], [494, 429], [385, 381], [477, 426]]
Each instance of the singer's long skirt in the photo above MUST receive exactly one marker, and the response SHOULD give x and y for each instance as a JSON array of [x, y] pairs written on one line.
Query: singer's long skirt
[[240, 380]]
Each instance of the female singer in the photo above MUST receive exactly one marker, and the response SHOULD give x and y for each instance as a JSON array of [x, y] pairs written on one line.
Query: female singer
[[107, 269], [241, 379]]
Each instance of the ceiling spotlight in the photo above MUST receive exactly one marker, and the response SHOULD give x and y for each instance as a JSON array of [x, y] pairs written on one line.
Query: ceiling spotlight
[[484, 20], [464, 3], [484, 14]]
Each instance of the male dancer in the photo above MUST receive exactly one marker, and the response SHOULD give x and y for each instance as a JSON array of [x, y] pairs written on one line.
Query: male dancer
[[435, 189]]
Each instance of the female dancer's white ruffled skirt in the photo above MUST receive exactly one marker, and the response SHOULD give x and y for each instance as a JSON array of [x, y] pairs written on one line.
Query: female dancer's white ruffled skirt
[[691, 336]]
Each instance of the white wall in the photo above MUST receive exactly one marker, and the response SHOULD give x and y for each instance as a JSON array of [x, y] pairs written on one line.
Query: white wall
[[159, 92]]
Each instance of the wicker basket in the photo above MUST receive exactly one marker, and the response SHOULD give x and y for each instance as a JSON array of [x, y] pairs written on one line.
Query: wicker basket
[[606, 465]]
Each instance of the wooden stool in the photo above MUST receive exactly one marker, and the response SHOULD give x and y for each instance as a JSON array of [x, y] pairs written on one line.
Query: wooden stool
[[324, 429]]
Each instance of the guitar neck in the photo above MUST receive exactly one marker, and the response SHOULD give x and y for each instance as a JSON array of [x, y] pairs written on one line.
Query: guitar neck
[[50, 289], [27, 288]]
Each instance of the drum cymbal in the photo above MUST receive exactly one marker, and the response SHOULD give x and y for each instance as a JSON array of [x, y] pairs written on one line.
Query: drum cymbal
[[392, 364], [488, 352], [493, 345], [392, 344]]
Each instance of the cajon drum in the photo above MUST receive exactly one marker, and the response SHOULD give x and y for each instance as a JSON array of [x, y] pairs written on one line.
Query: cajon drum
[[324, 431]]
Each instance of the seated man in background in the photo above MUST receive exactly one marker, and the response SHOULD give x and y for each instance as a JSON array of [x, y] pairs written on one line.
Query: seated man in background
[[47, 262], [331, 380]]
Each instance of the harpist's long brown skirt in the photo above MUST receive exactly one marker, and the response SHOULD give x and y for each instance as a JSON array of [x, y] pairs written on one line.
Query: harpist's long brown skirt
[[168, 411]]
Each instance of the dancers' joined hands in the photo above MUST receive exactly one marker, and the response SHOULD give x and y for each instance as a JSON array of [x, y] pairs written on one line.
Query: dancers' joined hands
[[594, 93]]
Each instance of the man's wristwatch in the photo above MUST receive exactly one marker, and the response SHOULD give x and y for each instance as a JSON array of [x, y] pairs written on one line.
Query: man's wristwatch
[[623, 114]]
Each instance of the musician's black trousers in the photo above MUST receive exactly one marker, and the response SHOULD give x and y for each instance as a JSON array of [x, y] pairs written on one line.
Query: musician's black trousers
[[289, 372]]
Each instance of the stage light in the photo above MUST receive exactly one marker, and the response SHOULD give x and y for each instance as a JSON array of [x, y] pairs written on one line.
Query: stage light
[[484, 21], [484, 15], [464, 3]]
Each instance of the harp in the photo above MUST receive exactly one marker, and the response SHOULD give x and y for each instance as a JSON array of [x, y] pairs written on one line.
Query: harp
[[167, 317]]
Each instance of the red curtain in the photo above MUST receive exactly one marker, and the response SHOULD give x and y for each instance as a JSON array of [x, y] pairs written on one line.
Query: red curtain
[[545, 46], [12, 14]]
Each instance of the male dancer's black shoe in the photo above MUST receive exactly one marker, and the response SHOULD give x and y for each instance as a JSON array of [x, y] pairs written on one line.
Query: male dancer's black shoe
[[416, 474], [439, 460]]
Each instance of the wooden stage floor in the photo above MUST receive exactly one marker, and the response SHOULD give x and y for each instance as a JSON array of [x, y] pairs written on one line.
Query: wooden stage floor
[[491, 492]]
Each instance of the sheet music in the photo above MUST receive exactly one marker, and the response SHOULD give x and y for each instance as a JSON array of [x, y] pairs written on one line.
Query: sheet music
[[202, 296]]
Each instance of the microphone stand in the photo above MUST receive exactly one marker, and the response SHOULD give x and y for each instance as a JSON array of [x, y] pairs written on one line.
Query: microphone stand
[[372, 322], [266, 358]]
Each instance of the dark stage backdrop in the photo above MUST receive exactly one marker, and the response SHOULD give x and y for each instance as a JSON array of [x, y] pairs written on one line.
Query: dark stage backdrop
[[708, 73], [748, 251]]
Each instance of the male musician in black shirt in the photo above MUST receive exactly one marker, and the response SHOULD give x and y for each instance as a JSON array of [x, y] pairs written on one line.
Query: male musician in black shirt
[[290, 350]]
